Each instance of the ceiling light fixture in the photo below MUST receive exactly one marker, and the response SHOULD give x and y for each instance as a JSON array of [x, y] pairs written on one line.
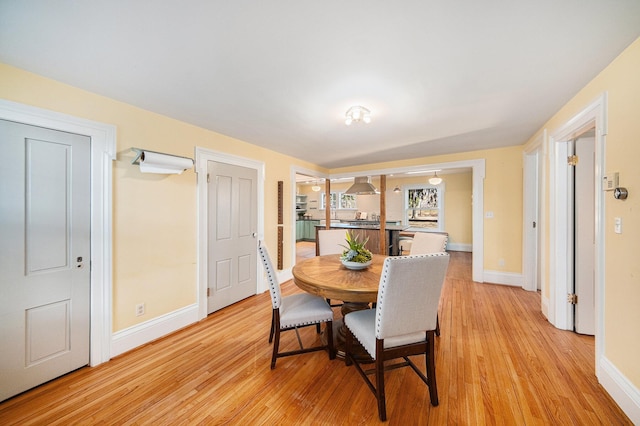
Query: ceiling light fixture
[[397, 189], [315, 187], [356, 114], [435, 180]]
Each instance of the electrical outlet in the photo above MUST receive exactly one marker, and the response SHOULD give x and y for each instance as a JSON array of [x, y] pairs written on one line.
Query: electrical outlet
[[139, 309]]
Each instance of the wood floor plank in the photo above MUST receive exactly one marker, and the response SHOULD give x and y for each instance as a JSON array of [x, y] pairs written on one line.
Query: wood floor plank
[[498, 361]]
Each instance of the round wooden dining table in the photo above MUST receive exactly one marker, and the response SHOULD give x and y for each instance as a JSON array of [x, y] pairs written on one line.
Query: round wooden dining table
[[325, 276]]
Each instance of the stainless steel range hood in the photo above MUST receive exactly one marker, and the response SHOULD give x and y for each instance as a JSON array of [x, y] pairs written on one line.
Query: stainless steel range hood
[[362, 186]]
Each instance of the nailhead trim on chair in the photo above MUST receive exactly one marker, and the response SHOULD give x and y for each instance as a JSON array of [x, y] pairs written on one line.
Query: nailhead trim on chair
[[385, 273]]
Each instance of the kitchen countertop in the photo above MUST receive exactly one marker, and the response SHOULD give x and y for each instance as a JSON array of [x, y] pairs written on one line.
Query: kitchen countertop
[[353, 225]]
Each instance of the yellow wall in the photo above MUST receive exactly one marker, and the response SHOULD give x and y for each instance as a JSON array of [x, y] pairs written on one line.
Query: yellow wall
[[154, 216], [502, 196], [621, 81], [154, 232]]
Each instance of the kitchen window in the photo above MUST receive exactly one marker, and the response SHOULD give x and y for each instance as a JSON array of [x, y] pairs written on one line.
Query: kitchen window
[[424, 206], [339, 201]]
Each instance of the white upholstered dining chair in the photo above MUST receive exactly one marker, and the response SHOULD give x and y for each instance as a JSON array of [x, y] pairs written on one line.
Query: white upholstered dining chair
[[293, 312], [331, 241], [427, 243], [403, 322]]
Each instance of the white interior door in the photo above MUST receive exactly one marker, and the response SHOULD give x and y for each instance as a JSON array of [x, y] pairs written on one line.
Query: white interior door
[[232, 230], [44, 255], [584, 236], [532, 223]]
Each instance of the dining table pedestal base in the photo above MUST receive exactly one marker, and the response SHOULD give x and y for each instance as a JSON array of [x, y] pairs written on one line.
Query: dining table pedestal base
[[340, 333]]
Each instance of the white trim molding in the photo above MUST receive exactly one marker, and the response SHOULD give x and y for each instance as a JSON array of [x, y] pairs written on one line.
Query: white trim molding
[[103, 151], [145, 332], [623, 392], [593, 115], [504, 278], [203, 155], [460, 247]]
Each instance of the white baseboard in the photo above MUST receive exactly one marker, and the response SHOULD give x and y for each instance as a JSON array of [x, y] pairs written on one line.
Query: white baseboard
[[624, 393], [459, 247], [505, 278], [285, 275], [139, 334]]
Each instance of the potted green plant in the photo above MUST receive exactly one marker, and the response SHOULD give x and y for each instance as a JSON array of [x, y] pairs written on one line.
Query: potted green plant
[[355, 255]]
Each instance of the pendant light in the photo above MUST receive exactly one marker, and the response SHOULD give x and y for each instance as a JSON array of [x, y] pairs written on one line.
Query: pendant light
[[435, 180]]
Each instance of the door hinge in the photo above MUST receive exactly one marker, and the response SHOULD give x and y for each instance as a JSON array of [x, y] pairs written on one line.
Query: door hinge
[[572, 160], [572, 298], [208, 178], [534, 224]]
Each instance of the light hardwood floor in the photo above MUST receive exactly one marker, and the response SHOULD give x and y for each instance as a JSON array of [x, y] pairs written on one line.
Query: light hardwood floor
[[498, 361]]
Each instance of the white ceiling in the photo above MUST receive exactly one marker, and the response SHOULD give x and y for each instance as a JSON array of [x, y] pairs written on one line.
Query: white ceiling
[[438, 76]]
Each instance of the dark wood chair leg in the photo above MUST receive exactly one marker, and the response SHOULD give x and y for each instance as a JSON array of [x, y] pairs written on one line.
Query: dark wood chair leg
[[348, 341], [380, 395], [276, 344], [273, 320], [431, 368], [330, 346]]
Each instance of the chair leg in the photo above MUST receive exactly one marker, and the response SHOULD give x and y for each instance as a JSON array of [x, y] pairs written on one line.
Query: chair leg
[[330, 346], [276, 345], [348, 341], [318, 330], [273, 322], [380, 395], [437, 325], [431, 369]]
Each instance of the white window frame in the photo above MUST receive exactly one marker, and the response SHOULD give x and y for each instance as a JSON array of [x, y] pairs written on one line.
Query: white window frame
[[339, 201]]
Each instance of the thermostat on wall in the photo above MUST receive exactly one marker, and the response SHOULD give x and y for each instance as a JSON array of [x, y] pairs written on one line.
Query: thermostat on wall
[[610, 181]]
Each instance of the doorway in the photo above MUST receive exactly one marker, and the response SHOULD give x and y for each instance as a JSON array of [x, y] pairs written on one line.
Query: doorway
[[583, 188], [103, 152], [209, 202], [561, 228], [232, 231], [532, 247]]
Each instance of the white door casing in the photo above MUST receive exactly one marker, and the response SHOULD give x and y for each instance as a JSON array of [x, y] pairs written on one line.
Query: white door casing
[[560, 284], [103, 145], [44, 254], [203, 156]]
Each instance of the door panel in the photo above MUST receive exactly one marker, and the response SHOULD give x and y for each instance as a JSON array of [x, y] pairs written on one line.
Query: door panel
[[584, 220], [232, 245], [45, 286]]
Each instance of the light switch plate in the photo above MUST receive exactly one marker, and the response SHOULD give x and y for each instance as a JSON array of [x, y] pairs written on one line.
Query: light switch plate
[[617, 225], [610, 181]]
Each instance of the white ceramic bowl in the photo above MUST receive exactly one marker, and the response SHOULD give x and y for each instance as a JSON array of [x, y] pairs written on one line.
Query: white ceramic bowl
[[355, 265]]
